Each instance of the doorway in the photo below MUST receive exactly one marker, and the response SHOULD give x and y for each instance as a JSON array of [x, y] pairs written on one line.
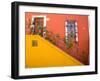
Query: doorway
[[38, 25]]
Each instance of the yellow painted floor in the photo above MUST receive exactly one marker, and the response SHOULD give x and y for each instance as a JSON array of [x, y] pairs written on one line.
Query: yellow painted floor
[[46, 54]]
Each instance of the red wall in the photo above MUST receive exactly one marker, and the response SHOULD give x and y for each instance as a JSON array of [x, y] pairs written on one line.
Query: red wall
[[56, 24]]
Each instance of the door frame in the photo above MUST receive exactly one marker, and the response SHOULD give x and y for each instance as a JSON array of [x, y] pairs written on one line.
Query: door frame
[[40, 16]]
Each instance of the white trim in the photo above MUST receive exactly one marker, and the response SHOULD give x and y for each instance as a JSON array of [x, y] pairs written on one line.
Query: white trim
[[76, 30], [66, 29]]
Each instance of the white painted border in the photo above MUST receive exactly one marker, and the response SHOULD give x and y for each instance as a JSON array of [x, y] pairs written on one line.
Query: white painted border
[[51, 70]]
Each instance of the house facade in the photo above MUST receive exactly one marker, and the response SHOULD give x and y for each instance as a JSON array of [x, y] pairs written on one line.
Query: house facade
[[62, 28]]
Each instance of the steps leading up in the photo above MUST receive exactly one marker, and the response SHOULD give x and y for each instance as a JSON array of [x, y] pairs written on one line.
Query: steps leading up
[[46, 54]]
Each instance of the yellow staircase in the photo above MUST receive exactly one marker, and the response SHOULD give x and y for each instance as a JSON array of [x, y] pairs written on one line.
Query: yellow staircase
[[46, 54]]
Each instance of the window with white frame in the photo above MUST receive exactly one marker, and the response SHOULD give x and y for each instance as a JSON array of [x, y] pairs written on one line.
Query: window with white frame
[[71, 30]]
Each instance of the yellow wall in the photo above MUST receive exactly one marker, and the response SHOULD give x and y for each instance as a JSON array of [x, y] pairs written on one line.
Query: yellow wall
[[46, 54]]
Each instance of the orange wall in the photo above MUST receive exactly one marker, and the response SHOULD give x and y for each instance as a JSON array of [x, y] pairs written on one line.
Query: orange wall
[[56, 24]]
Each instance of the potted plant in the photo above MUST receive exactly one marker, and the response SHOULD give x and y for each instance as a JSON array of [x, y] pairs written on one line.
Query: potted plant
[[40, 30], [44, 32]]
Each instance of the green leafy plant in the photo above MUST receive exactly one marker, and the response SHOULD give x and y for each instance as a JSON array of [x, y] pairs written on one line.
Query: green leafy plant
[[40, 30], [40, 27], [68, 42], [72, 35]]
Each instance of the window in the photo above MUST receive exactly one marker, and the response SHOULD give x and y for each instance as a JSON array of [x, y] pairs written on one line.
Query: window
[[71, 30]]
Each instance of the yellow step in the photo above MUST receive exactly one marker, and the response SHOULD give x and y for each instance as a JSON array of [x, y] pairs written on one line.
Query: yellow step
[[46, 54]]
